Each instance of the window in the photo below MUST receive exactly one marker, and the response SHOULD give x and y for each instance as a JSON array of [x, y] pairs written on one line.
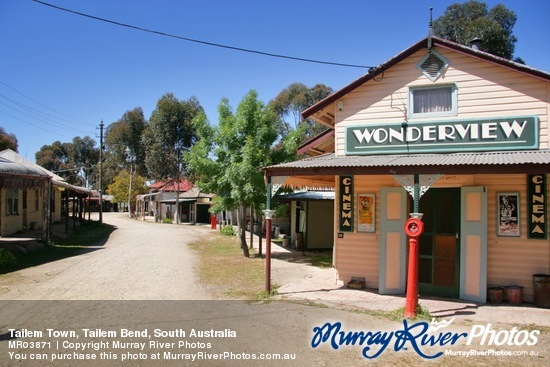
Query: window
[[12, 202], [36, 196], [432, 101]]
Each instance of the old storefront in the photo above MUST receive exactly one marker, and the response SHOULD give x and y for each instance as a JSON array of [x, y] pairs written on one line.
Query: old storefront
[[470, 132]]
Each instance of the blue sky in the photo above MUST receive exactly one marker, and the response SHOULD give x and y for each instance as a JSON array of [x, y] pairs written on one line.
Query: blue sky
[[61, 74]]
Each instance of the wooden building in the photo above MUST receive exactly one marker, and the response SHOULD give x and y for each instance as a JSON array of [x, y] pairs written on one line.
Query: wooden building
[[33, 197], [470, 132]]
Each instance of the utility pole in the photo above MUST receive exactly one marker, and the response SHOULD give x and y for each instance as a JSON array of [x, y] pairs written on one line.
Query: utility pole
[[100, 165]]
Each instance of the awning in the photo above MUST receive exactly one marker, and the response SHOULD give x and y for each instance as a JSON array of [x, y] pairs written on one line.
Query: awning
[[504, 162], [307, 196], [145, 196], [67, 186]]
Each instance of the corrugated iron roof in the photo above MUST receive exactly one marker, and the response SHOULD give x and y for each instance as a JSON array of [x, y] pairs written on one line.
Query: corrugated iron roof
[[12, 168], [194, 193], [68, 186], [308, 195], [467, 162]]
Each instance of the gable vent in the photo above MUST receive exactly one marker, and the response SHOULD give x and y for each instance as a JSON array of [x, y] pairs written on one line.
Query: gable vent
[[433, 65]]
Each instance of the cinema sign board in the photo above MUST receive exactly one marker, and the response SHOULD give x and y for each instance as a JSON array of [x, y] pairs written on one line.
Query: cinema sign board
[[508, 133]]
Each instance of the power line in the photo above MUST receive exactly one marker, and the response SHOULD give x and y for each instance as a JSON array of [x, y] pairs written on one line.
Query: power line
[[39, 115], [34, 125], [234, 48], [43, 105]]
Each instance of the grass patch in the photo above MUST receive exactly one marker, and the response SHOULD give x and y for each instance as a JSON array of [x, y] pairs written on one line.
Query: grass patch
[[229, 274], [92, 234], [321, 259], [422, 314]]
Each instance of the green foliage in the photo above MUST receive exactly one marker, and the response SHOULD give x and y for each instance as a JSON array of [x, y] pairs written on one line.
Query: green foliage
[[291, 101], [53, 157], [166, 220], [226, 159], [7, 258], [7, 141], [121, 185], [228, 231], [463, 22], [76, 161], [170, 134], [126, 133], [421, 314], [322, 259]]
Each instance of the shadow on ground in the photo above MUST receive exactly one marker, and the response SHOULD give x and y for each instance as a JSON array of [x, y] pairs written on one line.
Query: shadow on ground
[[26, 249]]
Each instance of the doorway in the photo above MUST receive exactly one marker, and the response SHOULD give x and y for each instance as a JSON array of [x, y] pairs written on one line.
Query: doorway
[[439, 245]]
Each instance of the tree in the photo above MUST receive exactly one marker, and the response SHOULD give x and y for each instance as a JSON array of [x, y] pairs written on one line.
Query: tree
[[168, 136], [125, 133], [290, 103], [7, 141], [120, 187], [292, 100], [462, 23], [76, 162], [240, 145], [55, 158], [84, 156]]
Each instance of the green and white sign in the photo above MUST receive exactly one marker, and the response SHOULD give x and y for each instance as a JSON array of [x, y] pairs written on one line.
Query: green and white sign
[[508, 133]]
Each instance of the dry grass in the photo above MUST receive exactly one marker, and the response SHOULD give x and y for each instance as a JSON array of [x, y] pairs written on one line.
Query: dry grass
[[229, 274]]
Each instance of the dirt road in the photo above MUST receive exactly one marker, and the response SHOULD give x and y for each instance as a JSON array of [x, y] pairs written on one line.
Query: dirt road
[[135, 301], [140, 261]]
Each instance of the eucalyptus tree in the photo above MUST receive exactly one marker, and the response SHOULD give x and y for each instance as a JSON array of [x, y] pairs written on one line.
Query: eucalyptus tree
[[75, 161], [168, 136], [7, 140], [291, 101], [126, 133], [84, 156], [54, 158]]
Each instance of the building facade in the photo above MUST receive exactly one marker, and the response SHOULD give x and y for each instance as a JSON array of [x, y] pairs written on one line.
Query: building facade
[[468, 134]]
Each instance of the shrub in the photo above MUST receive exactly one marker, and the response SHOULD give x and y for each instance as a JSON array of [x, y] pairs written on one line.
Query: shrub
[[228, 231], [7, 258], [167, 220]]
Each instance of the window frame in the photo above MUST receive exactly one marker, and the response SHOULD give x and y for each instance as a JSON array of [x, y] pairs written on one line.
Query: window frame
[[454, 101], [12, 202]]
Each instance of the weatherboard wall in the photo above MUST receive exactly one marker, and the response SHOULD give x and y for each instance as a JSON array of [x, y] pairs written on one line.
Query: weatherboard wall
[[485, 90], [510, 260]]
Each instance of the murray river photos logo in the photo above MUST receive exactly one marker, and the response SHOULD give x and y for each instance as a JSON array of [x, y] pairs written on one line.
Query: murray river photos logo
[[418, 337]]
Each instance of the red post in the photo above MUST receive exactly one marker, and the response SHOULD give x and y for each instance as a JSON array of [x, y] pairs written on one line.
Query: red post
[[213, 220], [413, 228], [268, 254], [412, 279]]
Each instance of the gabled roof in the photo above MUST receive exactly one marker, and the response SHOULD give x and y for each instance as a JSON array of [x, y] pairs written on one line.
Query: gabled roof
[[317, 145], [8, 167], [171, 185], [15, 157], [436, 42], [27, 167]]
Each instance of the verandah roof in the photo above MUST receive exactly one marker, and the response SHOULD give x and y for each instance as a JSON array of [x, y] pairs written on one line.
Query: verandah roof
[[504, 162]]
